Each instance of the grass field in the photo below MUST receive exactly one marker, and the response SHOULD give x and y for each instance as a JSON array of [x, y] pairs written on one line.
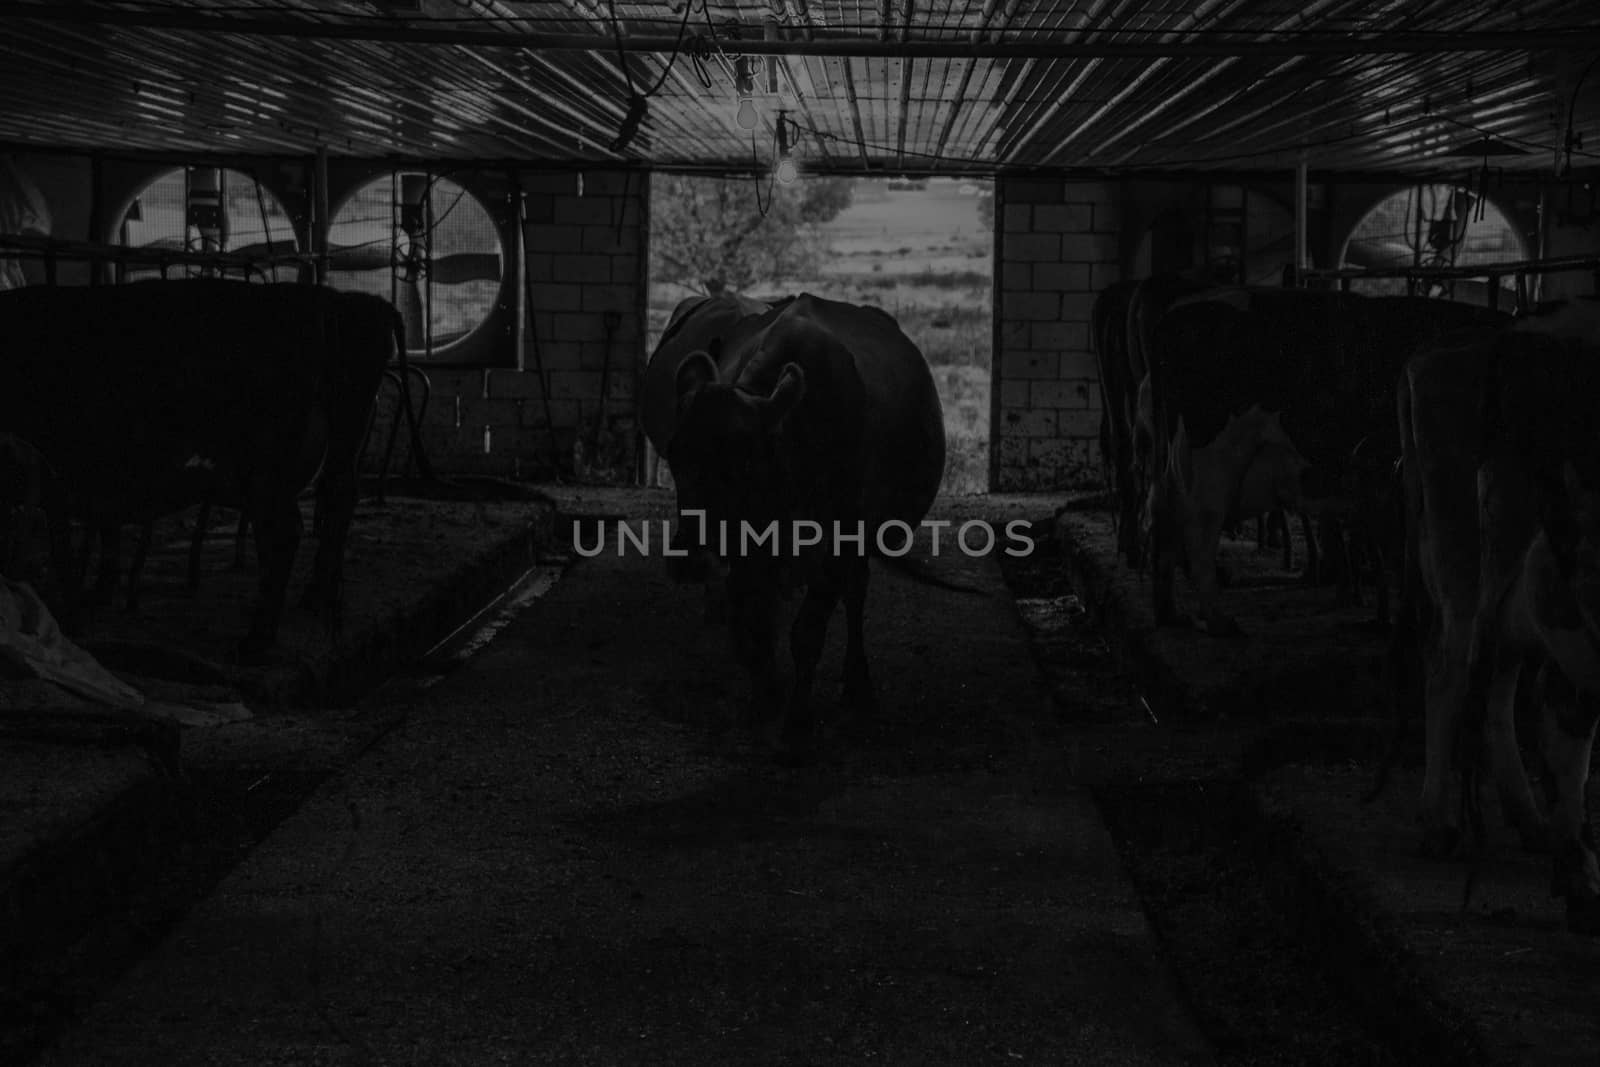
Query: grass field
[[925, 257]]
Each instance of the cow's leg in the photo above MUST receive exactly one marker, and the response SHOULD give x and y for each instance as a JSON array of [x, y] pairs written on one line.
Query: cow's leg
[[1446, 688], [1505, 760], [716, 590], [1137, 515], [323, 594], [80, 563], [197, 541], [105, 585], [1202, 535], [752, 599], [241, 541], [64, 565], [277, 521], [806, 637], [1205, 575], [1282, 518], [1334, 557], [1164, 564], [858, 694], [1567, 737], [141, 549], [1350, 577], [1380, 578], [1313, 571], [1128, 523]]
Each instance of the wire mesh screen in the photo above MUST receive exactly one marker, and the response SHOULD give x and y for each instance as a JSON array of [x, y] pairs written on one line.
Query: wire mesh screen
[[1432, 226], [427, 244], [251, 221]]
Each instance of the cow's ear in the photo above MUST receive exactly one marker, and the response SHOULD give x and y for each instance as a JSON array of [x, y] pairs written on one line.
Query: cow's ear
[[786, 394], [695, 372]]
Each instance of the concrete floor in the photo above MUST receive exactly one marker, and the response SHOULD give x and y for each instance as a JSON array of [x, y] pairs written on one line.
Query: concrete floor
[[565, 856]]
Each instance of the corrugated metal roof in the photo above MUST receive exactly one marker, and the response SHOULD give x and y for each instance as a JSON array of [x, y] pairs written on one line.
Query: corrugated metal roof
[[943, 85]]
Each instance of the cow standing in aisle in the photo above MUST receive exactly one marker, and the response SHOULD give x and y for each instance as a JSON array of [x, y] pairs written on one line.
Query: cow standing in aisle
[[828, 413], [717, 325], [1502, 491], [152, 396]]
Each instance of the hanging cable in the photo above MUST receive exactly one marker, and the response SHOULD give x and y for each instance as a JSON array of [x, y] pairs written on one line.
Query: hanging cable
[[755, 161], [638, 106], [1573, 140], [638, 102], [688, 6], [700, 53]]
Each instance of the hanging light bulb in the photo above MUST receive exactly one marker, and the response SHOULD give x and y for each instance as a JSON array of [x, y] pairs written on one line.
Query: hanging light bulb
[[786, 171], [746, 118], [744, 83]]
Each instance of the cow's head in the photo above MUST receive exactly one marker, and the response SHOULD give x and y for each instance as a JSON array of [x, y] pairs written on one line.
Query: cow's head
[[729, 455]]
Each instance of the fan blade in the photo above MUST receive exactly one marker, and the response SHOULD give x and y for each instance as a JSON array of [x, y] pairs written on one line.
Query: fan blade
[[410, 304], [1373, 254], [359, 257], [164, 244], [262, 250], [466, 267]]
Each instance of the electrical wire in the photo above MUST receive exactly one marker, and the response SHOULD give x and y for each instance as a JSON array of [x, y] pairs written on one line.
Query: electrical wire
[[638, 103], [688, 6], [700, 51], [1569, 141], [755, 177]]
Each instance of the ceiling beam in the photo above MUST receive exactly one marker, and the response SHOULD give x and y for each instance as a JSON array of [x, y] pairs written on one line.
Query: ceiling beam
[[826, 43]]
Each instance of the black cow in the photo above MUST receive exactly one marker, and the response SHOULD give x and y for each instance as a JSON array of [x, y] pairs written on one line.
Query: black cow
[[717, 324], [152, 396], [828, 414]]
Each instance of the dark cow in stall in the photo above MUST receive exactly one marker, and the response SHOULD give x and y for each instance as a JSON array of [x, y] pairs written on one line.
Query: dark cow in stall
[[829, 413], [152, 396], [714, 324], [1367, 531], [1150, 300], [366, 333], [29, 489], [1502, 489], [1259, 400]]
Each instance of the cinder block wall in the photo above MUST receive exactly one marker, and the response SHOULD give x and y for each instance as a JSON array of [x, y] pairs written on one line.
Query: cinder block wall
[[1059, 243], [584, 252]]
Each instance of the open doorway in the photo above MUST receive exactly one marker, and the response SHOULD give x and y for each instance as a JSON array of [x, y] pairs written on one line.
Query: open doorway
[[920, 249]]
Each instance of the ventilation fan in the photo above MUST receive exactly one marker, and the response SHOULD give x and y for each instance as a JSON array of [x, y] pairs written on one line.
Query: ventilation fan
[[427, 244], [206, 209]]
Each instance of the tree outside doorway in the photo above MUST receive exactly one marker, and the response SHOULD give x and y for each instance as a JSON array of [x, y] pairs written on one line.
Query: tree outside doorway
[[920, 249]]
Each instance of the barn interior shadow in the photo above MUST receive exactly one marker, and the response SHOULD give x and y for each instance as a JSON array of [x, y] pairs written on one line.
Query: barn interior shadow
[[756, 804]]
